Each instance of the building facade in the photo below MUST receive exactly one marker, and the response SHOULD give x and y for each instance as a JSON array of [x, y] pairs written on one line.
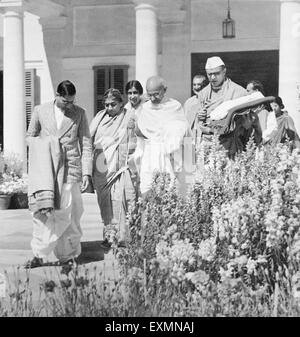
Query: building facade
[[99, 44]]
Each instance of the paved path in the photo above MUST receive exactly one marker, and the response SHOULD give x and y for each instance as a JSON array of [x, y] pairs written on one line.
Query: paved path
[[15, 236]]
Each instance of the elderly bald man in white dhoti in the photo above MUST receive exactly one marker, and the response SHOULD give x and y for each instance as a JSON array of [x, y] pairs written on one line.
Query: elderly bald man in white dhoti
[[165, 142]]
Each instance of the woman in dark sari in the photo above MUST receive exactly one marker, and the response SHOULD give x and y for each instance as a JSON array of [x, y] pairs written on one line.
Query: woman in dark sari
[[266, 116], [285, 126], [112, 132]]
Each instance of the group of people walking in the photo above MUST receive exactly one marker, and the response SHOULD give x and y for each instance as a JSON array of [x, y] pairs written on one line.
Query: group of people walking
[[124, 145]]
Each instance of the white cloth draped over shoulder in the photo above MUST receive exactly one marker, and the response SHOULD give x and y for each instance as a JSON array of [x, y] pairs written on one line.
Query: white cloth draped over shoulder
[[222, 110], [164, 127], [45, 172]]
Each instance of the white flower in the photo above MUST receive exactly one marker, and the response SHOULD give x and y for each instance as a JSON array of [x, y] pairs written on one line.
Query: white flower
[[251, 265], [207, 249], [13, 184]]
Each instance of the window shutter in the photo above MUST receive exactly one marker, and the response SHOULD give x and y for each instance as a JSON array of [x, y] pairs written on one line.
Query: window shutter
[[101, 85], [106, 77], [119, 78], [29, 93]]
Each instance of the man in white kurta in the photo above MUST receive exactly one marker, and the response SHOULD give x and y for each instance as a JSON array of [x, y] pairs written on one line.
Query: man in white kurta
[[162, 128]]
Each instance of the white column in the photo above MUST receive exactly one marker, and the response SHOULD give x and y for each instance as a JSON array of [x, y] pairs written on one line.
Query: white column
[[289, 58], [146, 39], [14, 116], [53, 36], [175, 53]]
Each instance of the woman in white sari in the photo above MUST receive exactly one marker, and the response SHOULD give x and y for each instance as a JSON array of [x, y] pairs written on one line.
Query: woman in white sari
[[134, 91], [112, 133]]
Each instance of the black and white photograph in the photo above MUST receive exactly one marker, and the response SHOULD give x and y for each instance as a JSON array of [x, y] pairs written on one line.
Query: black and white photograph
[[149, 161]]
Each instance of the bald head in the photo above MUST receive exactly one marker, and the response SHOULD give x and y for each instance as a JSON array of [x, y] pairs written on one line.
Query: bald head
[[199, 82], [156, 88], [156, 83]]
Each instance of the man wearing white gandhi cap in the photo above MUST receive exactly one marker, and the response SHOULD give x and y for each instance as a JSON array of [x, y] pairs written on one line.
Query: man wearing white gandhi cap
[[219, 90], [214, 62]]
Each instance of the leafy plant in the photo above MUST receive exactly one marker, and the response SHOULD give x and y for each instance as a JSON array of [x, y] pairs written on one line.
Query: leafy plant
[[231, 247], [238, 228]]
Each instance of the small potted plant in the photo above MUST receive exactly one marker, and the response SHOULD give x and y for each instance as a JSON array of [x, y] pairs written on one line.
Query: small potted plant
[[12, 165], [6, 191], [12, 171], [20, 188]]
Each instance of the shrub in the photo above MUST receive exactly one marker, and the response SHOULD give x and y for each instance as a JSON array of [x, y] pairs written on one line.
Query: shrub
[[229, 248], [11, 185], [230, 243], [12, 178], [12, 165]]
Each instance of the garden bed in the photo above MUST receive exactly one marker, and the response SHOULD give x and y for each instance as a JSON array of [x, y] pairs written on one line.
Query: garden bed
[[230, 248]]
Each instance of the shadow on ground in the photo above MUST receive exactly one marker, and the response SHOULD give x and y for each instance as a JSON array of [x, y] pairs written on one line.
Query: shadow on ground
[[91, 251]]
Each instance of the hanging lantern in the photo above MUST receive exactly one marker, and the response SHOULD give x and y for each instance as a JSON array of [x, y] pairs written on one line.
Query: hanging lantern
[[228, 25]]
